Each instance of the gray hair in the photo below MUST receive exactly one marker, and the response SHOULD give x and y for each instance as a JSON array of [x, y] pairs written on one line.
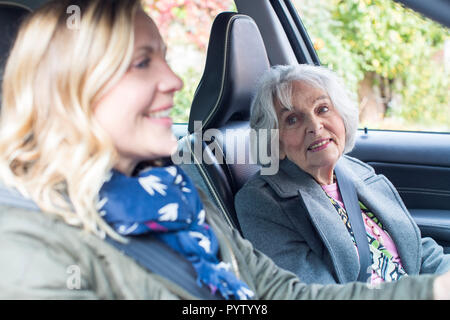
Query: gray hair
[[276, 85]]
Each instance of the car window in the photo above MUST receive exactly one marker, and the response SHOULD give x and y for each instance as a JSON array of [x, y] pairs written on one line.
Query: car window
[[395, 61], [185, 25]]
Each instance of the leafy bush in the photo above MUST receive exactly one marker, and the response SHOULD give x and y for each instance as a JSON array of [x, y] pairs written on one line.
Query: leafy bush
[[357, 38], [185, 26], [379, 40]]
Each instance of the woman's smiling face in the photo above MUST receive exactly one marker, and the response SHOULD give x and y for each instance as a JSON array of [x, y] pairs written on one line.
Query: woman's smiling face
[[312, 134], [135, 112]]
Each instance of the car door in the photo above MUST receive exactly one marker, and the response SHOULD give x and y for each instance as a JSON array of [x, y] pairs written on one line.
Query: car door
[[418, 164]]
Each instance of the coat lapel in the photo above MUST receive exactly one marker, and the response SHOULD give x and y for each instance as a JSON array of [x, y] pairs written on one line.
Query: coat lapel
[[293, 182], [378, 197]]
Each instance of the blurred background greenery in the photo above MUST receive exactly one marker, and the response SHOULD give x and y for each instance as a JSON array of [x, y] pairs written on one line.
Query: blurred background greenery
[[395, 61]]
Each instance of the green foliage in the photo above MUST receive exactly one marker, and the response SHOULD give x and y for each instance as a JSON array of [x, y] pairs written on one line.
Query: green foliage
[[333, 51], [186, 24], [352, 37], [183, 98], [362, 36]]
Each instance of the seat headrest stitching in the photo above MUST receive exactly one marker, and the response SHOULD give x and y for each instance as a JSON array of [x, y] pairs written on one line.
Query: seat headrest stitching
[[214, 109], [13, 4]]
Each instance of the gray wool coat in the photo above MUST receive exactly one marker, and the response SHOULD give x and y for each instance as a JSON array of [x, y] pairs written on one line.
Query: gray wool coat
[[289, 217]]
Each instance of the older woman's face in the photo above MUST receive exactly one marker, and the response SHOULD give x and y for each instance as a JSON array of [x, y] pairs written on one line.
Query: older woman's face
[[312, 134], [135, 112]]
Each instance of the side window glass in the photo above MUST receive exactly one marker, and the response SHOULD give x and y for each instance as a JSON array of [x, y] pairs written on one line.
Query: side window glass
[[185, 26], [395, 61]]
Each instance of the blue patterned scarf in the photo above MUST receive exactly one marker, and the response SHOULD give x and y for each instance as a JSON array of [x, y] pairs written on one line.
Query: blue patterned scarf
[[164, 201]]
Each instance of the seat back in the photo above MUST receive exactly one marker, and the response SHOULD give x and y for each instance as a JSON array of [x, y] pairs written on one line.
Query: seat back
[[220, 111]]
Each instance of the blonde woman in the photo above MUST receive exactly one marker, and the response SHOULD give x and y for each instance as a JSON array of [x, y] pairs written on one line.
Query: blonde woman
[[83, 107]]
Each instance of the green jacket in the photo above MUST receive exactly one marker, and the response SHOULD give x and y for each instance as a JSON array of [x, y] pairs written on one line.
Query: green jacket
[[41, 257]]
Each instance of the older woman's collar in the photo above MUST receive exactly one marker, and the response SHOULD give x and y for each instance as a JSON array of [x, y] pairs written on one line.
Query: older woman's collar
[[289, 179]]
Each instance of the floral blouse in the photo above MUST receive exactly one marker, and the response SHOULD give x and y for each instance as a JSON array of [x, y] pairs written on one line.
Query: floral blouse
[[386, 263]]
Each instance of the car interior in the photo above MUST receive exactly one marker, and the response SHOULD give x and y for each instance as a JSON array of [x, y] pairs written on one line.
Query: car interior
[[241, 47], [236, 57]]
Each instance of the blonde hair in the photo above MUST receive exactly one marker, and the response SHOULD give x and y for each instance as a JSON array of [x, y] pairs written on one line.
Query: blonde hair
[[51, 148]]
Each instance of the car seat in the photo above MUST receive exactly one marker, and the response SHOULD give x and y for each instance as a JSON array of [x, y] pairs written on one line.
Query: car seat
[[220, 111]]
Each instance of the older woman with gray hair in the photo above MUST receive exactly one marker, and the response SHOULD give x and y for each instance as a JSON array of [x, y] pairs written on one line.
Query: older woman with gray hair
[[324, 215]]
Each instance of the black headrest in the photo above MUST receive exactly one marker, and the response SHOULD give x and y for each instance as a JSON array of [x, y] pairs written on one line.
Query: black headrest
[[11, 16], [235, 60]]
